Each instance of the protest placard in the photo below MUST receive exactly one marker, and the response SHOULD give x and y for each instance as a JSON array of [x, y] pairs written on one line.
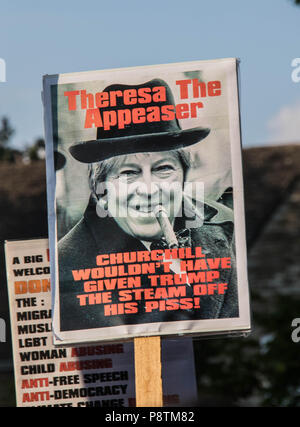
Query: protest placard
[[76, 376], [145, 202]]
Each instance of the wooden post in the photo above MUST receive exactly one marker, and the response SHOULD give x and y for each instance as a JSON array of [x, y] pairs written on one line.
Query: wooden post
[[148, 382]]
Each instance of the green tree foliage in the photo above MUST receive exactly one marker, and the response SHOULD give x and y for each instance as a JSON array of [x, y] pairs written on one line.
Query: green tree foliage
[[6, 132], [34, 151], [262, 369]]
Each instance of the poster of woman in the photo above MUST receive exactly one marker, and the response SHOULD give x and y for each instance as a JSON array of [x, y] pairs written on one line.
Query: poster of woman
[[145, 202]]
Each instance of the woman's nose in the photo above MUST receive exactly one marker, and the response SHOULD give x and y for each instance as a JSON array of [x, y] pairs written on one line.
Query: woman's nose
[[146, 185]]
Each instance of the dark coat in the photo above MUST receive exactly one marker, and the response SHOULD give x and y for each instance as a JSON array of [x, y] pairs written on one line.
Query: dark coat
[[93, 235]]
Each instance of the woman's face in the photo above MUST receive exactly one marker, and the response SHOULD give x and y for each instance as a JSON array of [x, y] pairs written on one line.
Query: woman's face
[[136, 184]]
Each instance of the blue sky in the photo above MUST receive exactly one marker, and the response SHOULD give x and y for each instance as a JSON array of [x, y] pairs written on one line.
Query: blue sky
[[38, 38]]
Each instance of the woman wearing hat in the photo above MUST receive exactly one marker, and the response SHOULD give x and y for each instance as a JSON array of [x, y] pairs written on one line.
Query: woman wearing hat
[[134, 173]]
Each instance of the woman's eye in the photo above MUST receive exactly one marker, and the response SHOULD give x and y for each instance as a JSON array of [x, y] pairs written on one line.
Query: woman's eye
[[128, 173], [164, 168]]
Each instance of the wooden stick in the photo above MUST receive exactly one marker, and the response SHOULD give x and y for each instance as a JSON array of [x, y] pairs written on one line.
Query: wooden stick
[[148, 382]]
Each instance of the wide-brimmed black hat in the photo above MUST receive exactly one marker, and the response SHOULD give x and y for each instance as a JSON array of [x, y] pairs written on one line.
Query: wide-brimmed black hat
[[149, 136]]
